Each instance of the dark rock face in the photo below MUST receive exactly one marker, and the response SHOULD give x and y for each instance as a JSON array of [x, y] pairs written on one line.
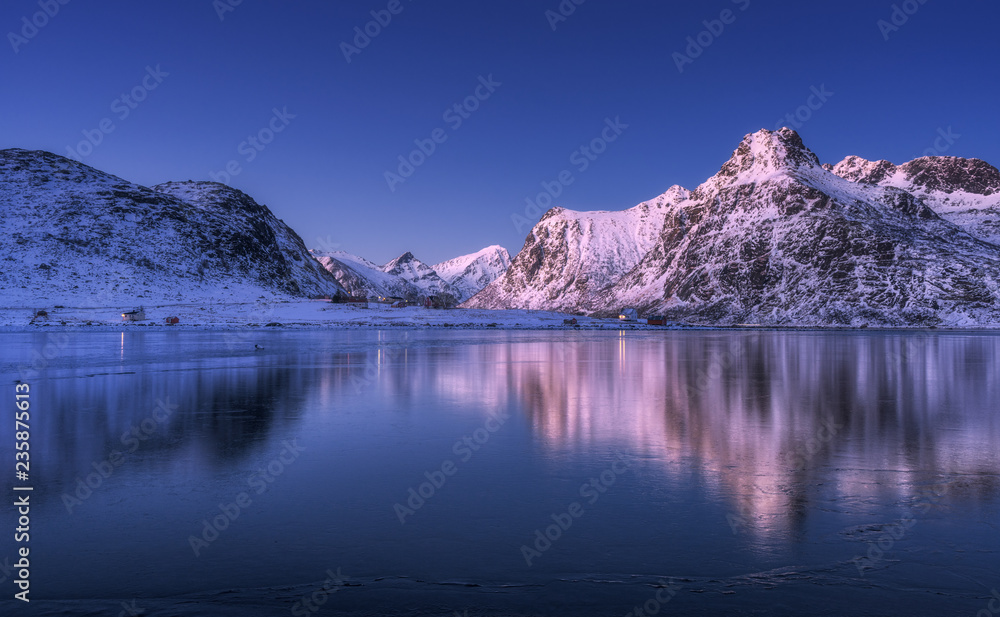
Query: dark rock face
[[948, 174], [264, 247]]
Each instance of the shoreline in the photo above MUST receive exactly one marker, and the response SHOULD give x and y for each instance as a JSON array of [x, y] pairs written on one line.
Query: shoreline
[[610, 327], [315, 315]]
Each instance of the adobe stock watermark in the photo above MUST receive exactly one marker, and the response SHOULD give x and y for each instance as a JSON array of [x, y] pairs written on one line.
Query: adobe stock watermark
[[803, 113], [454, 117], [928, 498], [562, 12], [312, 602], [465, 448], [254, 144], [719, 361], [131, 609], [31, 26], [258, 482], [805, 451], [563, 521], [326, 244], [6, 570], [225, 6], [122, 107], [993, 608], [714, 28], [131, 441], [796, 459], [581, 160], [665, 592], [364, 35], [898, 17], [945, 140], [55, 344]]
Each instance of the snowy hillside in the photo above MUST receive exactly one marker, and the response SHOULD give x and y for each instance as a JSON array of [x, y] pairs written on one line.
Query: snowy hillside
[[963, 191], [469, 274], [73, 234], [773, 238], [570, 256]]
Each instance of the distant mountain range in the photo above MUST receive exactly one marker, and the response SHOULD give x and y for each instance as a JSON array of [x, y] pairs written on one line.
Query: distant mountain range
[[774, 238], [74, 235], [408, 277]]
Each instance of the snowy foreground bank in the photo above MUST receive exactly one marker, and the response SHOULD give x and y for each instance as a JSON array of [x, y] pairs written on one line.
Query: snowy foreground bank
[[300, 313], [286, 313]]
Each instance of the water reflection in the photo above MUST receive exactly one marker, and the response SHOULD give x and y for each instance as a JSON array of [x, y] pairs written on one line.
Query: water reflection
[[767, 415], [765, 418], [204, 413]]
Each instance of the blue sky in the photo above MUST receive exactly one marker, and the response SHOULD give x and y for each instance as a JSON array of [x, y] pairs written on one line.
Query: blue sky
[[890, 91]]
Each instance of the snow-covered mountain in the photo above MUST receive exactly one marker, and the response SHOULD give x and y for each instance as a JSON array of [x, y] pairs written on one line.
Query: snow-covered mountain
[[963, 191], [363, 278], [408, 277], [570, 256], [774, 238], [72, 233], [469, 274], [416, 272]]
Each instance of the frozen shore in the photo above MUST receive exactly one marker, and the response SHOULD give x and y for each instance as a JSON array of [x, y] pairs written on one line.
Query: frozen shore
[[299, 313], [320, 314]]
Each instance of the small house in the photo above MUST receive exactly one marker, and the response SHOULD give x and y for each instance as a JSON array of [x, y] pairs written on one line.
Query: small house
[[628, 314], [138, 314], [170, 321], [656, 320], [570, 322]]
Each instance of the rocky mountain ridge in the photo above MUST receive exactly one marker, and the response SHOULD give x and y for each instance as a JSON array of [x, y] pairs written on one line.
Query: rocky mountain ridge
[[776, 238]]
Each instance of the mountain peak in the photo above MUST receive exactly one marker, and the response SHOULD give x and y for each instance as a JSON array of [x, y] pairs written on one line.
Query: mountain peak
[[766, 152], [676, 193], [469, 274], [857, 169], [405, 258]]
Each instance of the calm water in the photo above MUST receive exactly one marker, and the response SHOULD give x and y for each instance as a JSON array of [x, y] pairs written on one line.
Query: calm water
[[693, 473]]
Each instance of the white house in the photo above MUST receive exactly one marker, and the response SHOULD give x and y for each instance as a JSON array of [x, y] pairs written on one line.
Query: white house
[[628, 314], [138, 314]]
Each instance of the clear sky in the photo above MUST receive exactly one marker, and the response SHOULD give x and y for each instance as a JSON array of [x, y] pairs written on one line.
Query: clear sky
[[888, 90]]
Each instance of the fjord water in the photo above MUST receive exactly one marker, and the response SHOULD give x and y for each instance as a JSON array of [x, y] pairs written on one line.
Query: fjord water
[[786, 473]]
